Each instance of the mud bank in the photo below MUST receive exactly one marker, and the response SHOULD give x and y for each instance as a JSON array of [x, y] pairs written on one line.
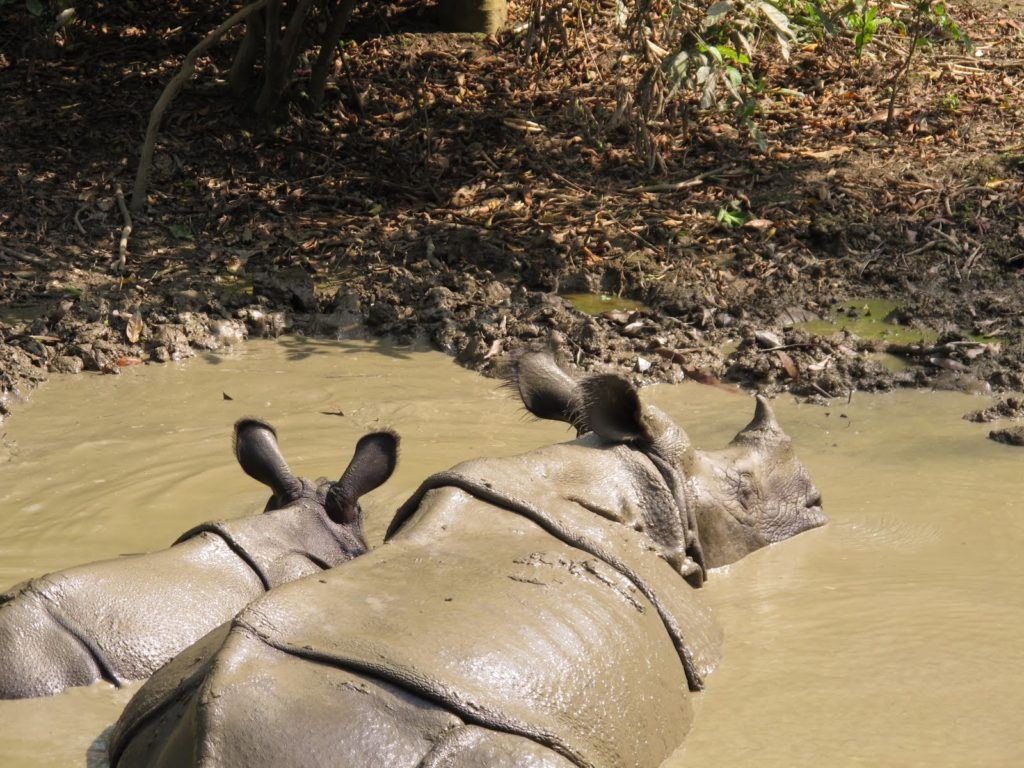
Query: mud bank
[[479, 319]]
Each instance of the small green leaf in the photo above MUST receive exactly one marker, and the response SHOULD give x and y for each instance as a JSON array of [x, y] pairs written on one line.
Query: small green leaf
[[34, 7], [732, 54], [729, 219], [181, 232]]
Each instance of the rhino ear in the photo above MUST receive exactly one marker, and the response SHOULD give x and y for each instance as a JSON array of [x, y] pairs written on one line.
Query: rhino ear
[[547, 391], [613, 410], [257, 452], [372, 463]]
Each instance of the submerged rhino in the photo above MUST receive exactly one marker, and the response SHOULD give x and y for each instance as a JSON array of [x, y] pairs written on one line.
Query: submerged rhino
[[538, 610], [121, 619]]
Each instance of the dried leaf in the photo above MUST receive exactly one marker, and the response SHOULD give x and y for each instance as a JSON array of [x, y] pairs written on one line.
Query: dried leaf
[[821, 365], [788, 365], [827, 154], [133, 330], [528, 126]]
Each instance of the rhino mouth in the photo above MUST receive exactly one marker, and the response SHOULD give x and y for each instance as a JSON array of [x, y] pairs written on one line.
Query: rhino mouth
[[812, 514]]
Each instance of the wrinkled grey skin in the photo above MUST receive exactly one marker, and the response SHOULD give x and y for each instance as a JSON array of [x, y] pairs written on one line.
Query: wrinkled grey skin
[[752, 493], [537, 610], [121, 619]]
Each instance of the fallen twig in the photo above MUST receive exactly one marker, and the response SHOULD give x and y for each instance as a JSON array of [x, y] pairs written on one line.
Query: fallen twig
[[78, 221], [678, 185]]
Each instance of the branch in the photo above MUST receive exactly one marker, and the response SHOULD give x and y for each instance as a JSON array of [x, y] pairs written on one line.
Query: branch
[[279, 71], [245, 57], [170, 91], [318, 78], [126, 230]]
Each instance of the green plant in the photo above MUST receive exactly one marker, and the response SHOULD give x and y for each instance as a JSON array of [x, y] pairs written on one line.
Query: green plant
[[730, 215], [864, 22], [926, 20]]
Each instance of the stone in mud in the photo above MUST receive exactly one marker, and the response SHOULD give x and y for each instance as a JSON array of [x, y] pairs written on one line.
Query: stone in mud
[[264, 324], [228, 332], [160, 354], [1008, 408], [767, 339], [197, 330], [1009, 436], [791, 316], [437, 305], [174, 340], [445, 336], [474, 352], [67, 364]]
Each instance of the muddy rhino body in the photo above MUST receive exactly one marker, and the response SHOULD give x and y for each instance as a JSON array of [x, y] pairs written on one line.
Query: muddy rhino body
[[513, 609], [119, 620], [538, 610]]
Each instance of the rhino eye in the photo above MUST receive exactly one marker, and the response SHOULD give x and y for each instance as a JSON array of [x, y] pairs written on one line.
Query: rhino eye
[[745, 491]]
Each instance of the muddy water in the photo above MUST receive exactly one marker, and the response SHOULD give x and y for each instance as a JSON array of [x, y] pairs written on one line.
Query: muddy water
[[891, 637]]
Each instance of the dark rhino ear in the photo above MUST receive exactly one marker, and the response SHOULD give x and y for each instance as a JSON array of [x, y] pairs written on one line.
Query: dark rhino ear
[[372, 463], [613, 410], [547, 391], [257, 452]]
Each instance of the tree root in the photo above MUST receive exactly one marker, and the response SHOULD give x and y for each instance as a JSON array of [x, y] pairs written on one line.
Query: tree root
[[170, 91]]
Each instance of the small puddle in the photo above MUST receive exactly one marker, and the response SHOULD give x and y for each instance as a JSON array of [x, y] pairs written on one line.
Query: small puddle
[[596, 303], [878, 319], [870, 319], [889, 637]]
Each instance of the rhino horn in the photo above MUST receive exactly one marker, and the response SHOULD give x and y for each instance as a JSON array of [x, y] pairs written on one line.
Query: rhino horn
[[763, 427], [259, 455], [373, 461]]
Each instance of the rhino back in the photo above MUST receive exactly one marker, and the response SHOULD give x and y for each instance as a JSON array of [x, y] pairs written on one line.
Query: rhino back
[[190, 713], [38, 655], [126, 616], [494, 622], [285, 544]]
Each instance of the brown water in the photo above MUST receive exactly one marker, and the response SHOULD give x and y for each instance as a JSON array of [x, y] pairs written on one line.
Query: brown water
[[888, 638]]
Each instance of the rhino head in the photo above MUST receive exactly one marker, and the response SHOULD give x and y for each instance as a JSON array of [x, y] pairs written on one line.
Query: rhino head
[[372, 463], [752, 493]]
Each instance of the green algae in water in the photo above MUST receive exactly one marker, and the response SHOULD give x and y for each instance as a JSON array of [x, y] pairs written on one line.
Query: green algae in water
[[893, 363], [596, 303], [869, 322]]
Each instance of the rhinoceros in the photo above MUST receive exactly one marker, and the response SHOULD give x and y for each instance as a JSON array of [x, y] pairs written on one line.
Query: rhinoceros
[[537, 610], [119, 620]]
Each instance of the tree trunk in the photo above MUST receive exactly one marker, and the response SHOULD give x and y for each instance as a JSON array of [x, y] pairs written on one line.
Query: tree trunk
[[473, 15], [322, 68], [248, 52], [278, 72]]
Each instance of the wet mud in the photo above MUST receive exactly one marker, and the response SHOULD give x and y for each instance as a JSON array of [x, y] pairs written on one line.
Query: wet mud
[[888, 637]]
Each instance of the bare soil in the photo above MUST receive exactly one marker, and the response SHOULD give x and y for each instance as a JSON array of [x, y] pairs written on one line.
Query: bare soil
[[451, 192]]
